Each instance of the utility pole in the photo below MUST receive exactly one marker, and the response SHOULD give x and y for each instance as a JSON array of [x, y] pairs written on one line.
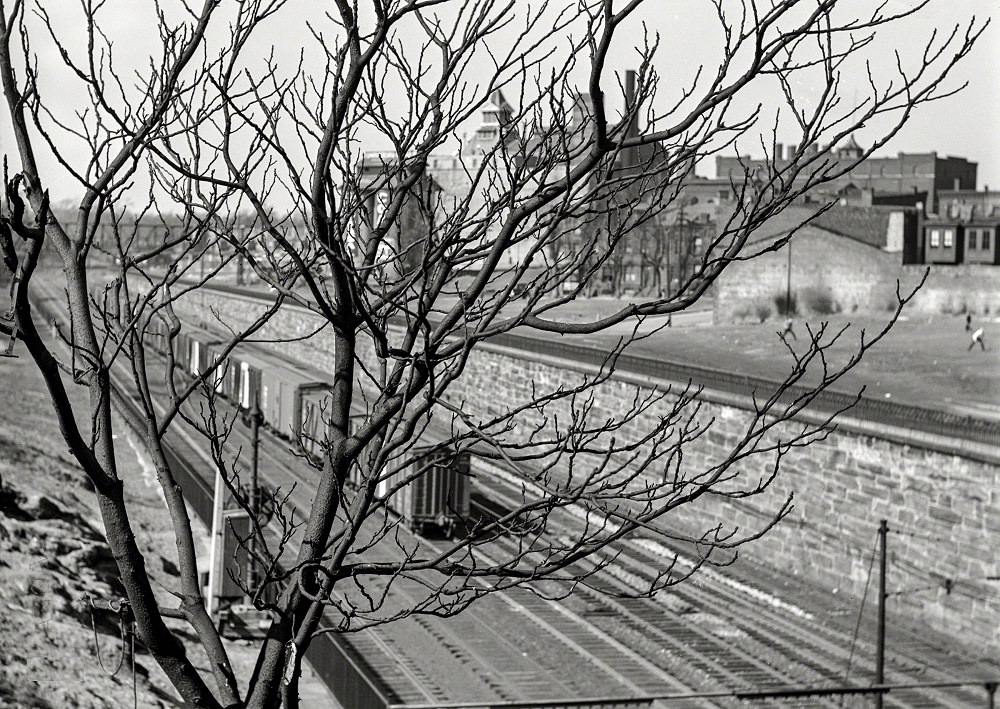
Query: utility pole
[[788, 283], [883, 532], [666, 276]]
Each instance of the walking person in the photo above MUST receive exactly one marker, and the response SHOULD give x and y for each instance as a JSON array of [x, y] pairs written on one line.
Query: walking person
[[977, 336], [968, 322], [788, 329]]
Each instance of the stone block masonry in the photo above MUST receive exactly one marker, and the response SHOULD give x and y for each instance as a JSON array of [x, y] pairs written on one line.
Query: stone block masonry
[[943, 508]]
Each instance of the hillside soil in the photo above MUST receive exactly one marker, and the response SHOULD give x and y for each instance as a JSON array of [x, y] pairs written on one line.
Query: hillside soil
[[54, 560]]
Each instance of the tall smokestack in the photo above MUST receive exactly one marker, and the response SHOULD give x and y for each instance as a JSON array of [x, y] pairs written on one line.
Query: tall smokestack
[[630, 156]]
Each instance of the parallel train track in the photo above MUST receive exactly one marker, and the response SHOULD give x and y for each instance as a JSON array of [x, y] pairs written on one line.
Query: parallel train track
[[742, 643], [504, 669]]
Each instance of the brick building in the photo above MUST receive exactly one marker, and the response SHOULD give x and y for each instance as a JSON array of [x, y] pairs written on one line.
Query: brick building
[[673, 226], [964, 231], [402, 245], [957, 241], [905, 174], [465, 182]]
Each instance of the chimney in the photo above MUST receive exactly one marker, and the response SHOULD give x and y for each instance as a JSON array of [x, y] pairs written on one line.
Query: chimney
[[630, 156], [777, 153]]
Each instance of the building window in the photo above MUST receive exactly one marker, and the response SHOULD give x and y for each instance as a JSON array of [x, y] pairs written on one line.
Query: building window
[[970, 239], [949, 238], [984, 239], [935, 238]]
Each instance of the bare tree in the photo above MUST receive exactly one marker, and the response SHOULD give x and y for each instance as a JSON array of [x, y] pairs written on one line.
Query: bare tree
[[410, 268]]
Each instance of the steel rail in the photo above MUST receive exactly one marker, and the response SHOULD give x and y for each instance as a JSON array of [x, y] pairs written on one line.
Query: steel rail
[[815, 648]]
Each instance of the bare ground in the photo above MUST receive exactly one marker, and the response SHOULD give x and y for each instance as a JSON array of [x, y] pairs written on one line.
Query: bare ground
[[53, 557]]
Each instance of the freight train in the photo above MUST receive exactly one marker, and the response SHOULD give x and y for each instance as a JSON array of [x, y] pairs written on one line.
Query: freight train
[[292, 399]]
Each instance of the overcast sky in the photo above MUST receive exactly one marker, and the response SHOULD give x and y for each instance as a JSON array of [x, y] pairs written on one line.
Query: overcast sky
[[966, 125]]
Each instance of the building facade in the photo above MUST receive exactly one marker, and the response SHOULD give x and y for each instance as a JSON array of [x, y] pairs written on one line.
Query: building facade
[[904, 174], [964, 231]]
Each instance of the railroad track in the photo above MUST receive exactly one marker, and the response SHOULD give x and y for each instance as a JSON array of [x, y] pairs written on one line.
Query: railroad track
[[503, 668], [741, 643], [671, 642], [820, 647], [398, 680]]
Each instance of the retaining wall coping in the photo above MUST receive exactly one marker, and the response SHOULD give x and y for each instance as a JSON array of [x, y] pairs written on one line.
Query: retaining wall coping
[[896, 434]]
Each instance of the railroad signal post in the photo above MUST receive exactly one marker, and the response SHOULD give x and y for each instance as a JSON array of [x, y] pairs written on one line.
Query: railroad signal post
[[243, 619], [224, 554], [232, 523]]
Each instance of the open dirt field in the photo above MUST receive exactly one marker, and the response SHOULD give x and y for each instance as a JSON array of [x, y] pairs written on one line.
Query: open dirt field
[[923, 361]]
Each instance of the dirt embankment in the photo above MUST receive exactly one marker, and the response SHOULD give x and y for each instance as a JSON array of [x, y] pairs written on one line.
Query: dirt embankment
[[53, 558]]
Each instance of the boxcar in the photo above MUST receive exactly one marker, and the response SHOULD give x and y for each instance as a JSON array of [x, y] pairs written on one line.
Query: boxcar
[[288, 396], [292, 396], [227, 377], [439, 497], [250, 381], [294, 399], [315, 419], [192, 348]]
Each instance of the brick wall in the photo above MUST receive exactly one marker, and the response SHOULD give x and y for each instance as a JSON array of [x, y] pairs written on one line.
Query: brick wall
[[957, 289], [855, 276], [943, 509]]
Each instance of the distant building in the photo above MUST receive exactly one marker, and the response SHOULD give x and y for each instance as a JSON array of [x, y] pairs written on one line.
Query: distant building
[[924, 174], [401, 248], [469, 180], [964, 231], [155, 240], [948, 241], [983, 202], [845, 259], [660, 229]]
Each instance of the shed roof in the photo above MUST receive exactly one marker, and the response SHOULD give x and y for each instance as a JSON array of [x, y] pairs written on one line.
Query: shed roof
[[867, 225]]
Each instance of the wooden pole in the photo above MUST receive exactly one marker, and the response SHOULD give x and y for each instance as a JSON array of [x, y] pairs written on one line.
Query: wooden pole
[[216, 563], [883, 529]]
